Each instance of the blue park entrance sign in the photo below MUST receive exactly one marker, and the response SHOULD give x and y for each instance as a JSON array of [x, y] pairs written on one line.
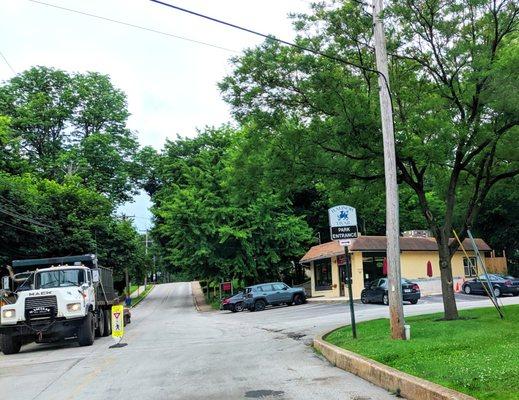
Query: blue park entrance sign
[[343, 222]]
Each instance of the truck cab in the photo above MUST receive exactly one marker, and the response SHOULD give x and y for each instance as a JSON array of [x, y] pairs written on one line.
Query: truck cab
[[63, 300], [57, 292]]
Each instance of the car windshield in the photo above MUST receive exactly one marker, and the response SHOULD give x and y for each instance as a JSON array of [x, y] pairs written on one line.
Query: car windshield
[[60, 278]]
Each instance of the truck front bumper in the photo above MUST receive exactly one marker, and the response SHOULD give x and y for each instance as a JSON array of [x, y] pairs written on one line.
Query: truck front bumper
[[44, 329]]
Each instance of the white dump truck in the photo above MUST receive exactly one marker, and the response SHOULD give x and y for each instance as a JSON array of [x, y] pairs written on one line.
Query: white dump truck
[[47, 300]]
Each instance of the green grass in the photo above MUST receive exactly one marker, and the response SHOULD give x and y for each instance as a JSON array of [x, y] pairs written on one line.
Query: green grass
[[477, 355], [133, 288], [142, 295]]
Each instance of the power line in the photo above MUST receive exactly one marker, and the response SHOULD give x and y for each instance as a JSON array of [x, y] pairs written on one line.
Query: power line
[[133, 26], [20, 228], [270, 37], [23, 217], [7, 62]]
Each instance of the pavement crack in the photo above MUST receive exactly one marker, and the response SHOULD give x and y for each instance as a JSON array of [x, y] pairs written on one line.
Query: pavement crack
[[58, 377]]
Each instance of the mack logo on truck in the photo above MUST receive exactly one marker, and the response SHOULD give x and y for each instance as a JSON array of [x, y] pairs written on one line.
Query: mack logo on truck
[[40, 293]]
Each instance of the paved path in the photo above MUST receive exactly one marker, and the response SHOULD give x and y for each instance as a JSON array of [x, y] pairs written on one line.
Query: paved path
[[175, 352]]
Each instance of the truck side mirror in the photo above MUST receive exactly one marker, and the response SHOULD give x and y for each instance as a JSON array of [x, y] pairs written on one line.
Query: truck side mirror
[[5, 283], [95, 275]]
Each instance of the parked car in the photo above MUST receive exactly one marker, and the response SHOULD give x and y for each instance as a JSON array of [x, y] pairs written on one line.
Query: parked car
[[500, 285], [257, 297], [233, 303], [376, 292]]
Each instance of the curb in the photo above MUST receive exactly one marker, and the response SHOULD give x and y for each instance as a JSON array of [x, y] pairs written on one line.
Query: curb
[[405, 385]]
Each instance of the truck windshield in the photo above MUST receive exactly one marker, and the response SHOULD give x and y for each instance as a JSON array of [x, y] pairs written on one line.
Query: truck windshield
[[60, 278]]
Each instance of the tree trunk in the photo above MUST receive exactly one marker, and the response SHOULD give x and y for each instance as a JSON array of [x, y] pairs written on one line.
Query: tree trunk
[[449, 301]]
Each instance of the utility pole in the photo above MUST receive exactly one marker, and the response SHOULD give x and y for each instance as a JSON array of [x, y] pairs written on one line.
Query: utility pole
[[396, 309]]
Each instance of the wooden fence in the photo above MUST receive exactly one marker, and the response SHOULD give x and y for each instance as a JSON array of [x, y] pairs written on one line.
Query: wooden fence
[[496, 265]]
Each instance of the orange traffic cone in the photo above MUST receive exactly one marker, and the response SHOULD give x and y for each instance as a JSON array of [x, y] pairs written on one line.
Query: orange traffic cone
[[457, 289]]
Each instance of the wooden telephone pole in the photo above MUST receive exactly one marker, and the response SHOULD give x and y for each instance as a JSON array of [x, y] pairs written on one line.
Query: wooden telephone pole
[[396, 309]]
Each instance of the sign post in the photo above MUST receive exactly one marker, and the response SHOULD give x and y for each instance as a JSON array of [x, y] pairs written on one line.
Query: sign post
[[343, 227]]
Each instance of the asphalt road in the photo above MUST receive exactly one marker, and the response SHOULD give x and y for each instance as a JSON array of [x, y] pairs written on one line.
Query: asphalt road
[[174, 352]]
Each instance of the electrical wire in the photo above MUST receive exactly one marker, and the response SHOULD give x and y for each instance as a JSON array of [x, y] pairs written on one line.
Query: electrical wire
[[20, 228], [7, 62], [270, 37], [18, 215], [134, 26], [23, 217]]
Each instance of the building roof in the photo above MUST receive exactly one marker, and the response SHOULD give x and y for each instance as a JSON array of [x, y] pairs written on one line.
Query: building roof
[[378, 244], [325, 250]]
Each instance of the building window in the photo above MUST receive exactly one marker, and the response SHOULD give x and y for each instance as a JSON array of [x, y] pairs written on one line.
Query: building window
[[323, 274], [470, 270]]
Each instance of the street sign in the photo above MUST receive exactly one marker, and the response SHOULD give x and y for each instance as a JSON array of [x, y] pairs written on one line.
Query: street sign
[[343, 222], [343, 227], [117, 321]]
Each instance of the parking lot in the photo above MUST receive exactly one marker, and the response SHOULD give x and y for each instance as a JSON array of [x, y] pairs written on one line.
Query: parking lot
[[312, 318]]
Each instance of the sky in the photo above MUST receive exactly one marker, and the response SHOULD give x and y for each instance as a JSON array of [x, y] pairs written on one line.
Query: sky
[[171, 83]]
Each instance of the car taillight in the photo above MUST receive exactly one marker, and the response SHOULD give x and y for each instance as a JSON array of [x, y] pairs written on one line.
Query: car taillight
[[416, 287], [508, 283], [225, 301]]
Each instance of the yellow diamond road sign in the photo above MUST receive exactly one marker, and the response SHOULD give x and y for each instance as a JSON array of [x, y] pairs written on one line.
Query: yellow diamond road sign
[[117, 321]]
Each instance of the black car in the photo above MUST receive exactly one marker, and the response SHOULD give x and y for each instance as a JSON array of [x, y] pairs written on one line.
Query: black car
[[500, 285], [234, 303], [376, 292]]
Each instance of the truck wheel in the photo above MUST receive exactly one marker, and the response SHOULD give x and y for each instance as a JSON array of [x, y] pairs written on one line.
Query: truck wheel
[[86, 333], [108, 323], [101, 326], [10, 345]]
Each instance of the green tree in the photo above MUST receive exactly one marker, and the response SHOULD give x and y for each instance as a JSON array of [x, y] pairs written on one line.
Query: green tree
[[451, 66], [73, 124], [206, 231]]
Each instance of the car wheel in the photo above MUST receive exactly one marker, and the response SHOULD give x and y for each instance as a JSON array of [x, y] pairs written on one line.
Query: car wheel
[[364, 298], [385, 300], [238, 307], [497, 292], [413, 301], [298, 299], [259, 305], [467, 289]]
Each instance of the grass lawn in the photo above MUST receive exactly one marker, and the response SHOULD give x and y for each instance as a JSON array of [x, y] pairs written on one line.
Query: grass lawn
[[477, 355]]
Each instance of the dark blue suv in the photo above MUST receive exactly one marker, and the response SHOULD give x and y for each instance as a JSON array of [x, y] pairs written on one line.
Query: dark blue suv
[[257, 297]]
